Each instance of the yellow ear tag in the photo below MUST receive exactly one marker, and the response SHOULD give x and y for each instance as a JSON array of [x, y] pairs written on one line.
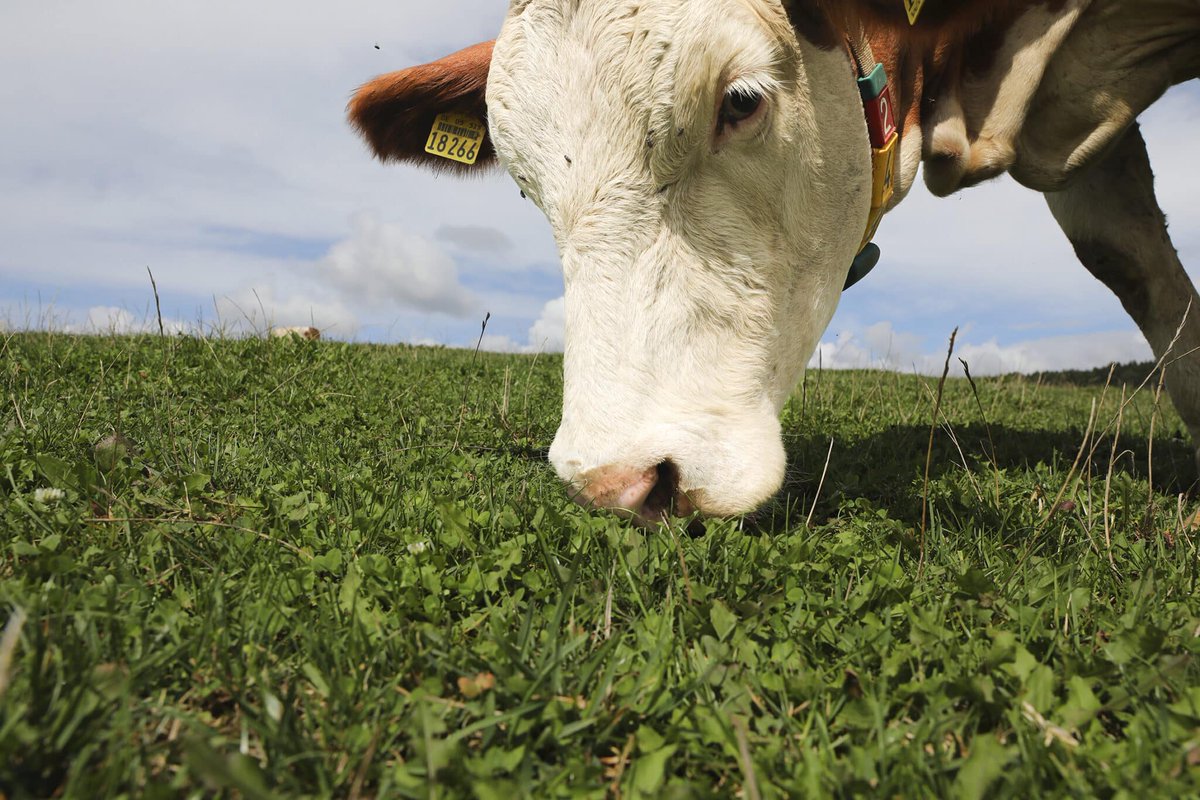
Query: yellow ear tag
[[457, 137], [913, 7]]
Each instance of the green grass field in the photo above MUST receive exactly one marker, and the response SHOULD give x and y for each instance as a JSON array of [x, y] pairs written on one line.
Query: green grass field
[[323, 569]]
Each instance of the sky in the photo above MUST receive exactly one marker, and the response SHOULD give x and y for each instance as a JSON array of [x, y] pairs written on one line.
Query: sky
[[207, 142]]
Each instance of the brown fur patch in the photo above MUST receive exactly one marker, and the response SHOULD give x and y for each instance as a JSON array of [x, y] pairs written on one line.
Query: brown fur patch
[[395, 112], [922, 60], [941, 21]]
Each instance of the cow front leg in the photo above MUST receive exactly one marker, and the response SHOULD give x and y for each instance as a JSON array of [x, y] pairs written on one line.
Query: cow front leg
[[1110, 214]]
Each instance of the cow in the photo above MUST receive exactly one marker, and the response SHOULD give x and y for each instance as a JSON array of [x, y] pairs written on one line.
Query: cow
[[713, 171], [306, 332]]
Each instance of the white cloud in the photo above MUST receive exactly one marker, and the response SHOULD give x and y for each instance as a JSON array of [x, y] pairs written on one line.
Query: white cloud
[[121, 321], [247, 311], [1079, 351], [549, 332], [881, 347], [383, 264], [499, 343], [257, 310], [547, 335]]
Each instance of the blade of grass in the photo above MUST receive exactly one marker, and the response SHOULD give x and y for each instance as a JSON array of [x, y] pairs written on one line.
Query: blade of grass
[[937, 407]]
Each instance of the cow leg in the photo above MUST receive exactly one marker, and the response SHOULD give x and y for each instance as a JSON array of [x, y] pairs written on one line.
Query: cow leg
[[1110, 214]]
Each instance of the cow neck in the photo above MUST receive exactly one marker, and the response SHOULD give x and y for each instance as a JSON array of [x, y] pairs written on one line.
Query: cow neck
[[879, 111]]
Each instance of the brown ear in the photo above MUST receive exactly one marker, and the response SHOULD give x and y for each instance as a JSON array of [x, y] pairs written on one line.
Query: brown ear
[[395, 112]]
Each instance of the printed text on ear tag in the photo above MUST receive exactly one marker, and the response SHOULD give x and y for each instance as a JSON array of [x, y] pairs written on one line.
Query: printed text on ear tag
[[457, 137], [913, 7], [883, 173]]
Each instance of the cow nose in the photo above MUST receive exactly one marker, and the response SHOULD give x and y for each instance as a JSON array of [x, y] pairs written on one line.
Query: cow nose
[[647, 495]]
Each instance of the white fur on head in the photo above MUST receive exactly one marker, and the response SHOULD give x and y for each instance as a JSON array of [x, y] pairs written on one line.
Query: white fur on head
[[700, 266]]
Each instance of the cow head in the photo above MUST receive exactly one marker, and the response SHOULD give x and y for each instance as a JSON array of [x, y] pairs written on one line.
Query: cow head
[[706, 173]]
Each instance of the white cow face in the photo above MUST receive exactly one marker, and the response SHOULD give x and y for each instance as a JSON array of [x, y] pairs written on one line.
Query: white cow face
[[707, 176], [707, 179]]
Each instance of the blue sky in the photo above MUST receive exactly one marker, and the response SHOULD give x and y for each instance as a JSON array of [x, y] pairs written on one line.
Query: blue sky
[[207, 141]]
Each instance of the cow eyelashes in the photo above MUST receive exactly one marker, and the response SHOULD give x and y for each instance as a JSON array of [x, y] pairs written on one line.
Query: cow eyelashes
[[739, 105]]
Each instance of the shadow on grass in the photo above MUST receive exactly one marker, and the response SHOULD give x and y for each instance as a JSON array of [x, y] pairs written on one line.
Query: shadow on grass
[[886, 468]]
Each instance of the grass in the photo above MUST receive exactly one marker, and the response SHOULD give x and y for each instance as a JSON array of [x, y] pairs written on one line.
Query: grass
[[278, 568]]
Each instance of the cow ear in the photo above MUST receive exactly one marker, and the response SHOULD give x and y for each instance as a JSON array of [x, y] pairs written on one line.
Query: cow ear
[[395, 112]]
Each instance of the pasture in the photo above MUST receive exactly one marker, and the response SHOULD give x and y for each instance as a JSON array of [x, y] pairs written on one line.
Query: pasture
[[286, 568]]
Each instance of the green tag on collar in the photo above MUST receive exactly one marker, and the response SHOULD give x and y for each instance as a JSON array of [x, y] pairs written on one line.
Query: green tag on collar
[[872, 85]]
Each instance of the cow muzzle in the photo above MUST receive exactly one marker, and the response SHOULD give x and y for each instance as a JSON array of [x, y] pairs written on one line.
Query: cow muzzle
[[664, 476], [647, 496]]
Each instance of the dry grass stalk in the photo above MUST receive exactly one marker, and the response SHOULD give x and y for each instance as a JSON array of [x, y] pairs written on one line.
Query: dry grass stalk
[[8, 646], [615, 767], [608, 603], [525, 394], [987, 428], [364, 765], [1087, 434], [937, 406], [17, 409], [504, 399], [1053, 733], [962, 456], [1098, 440], [1162, 376], [747, 764], [1112, 459], [166, 351], [821, 483], [462, 407]]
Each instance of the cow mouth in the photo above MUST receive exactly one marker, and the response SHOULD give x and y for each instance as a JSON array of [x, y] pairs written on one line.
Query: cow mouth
[[649, 497]]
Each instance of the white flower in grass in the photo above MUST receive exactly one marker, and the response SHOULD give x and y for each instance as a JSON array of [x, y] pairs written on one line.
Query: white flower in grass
[[416, 548], [47, 496]]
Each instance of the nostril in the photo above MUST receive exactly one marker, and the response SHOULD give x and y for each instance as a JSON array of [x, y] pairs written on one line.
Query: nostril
[[664, 492]]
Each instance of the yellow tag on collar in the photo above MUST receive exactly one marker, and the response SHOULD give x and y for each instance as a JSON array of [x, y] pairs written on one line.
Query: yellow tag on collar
[[913, 7], [873, 220], [883, 173], [883, 185], [457, 137]]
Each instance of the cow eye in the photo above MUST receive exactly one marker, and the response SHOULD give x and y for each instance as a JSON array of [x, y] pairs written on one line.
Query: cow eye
[[739, 105]]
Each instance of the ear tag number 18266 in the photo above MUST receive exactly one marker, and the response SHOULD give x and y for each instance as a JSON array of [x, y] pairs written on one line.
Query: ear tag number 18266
[[457, 137]]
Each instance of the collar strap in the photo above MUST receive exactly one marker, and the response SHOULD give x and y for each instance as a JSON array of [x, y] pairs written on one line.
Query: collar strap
[[864, 58], [881, 128]]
